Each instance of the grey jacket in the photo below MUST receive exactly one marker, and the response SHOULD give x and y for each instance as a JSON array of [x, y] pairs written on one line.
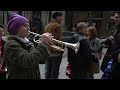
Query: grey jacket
[[95, 45], [22, 58]]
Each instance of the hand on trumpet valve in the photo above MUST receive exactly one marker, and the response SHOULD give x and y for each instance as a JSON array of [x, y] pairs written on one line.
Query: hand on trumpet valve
[[46, 38]]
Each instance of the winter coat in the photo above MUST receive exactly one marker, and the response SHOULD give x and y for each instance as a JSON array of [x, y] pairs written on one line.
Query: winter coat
[[80, 61], [114, 51], [116, 45], [22, 58]]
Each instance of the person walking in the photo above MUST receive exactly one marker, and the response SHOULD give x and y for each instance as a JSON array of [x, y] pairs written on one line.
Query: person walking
[[53, 64]]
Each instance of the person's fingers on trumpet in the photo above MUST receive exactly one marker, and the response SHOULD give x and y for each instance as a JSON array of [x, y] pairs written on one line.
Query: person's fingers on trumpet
[[47, 38]]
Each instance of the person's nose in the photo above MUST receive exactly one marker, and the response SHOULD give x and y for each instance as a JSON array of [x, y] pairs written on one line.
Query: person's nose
[[28, 28]]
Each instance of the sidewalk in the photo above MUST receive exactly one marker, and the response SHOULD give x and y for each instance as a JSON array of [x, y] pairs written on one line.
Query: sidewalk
[[63, 68], [99, 75]]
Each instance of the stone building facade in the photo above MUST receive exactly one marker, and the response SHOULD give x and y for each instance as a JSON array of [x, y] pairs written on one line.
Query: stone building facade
[[39, 19], [100, 19]]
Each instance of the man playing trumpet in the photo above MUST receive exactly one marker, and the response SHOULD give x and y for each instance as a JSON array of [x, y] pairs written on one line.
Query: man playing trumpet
[[20, 55]]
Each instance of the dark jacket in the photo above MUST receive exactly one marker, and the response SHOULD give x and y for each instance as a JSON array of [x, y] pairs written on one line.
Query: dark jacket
[[22, 58], [108, 44], [113, 49], [3, 40], [116, 44], [81, 60], [115, 53]]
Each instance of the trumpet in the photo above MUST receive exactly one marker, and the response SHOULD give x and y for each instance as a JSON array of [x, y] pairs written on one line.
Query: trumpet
[[75, 46]]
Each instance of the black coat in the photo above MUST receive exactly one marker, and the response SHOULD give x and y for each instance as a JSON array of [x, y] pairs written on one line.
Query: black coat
[[80, 61], [116, 45], [115, 53], [114, 50]]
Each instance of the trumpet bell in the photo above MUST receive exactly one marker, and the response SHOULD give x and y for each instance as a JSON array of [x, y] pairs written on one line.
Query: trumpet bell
[[77, 46]]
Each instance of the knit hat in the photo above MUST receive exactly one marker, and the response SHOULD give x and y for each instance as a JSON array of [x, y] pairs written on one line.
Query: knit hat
[[15, 22]]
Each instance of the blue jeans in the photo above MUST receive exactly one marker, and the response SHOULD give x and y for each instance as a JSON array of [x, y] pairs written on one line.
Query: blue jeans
[[52, 66]]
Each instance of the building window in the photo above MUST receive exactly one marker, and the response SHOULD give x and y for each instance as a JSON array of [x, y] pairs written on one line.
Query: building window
[[36, 21]]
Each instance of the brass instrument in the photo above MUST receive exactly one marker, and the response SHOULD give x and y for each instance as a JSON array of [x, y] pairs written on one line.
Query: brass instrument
[[75, 46]]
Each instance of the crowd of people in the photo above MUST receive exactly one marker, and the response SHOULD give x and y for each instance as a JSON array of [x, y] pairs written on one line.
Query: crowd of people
[[20, 56]]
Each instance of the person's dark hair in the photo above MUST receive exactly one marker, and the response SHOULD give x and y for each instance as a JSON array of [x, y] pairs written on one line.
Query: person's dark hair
[[75, 25], [93, 31], [57, 13], [1, 26], [118, 12], [81, 25]]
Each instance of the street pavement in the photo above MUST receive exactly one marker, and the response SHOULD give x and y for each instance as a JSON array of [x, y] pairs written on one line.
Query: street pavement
[[63, 67]]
